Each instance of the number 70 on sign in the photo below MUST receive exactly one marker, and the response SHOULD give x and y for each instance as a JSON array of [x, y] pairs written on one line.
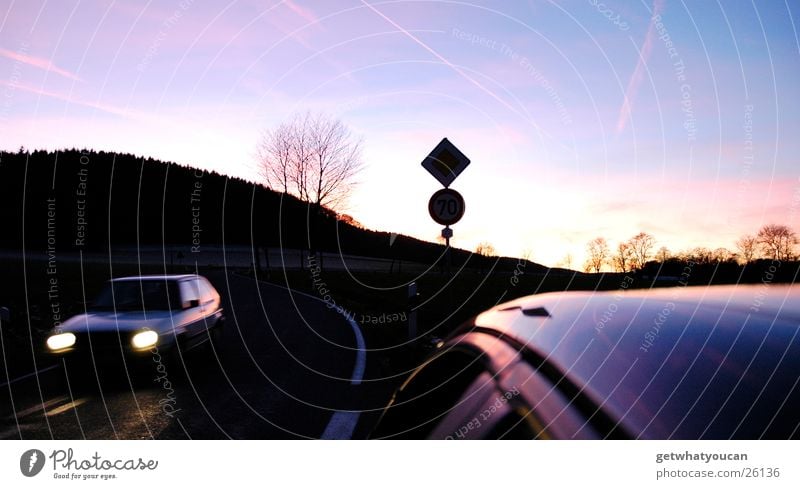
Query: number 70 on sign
[[446, 207]]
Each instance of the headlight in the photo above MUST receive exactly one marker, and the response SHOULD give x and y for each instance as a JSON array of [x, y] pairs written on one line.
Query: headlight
[[144, 339], [60, 341]]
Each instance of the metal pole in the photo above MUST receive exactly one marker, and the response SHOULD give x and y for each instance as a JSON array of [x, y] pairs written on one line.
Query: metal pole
[[447, 233], [447, 250], [412, 310]]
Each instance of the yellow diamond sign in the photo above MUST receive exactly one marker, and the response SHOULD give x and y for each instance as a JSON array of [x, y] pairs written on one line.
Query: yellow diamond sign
[[445, 162]]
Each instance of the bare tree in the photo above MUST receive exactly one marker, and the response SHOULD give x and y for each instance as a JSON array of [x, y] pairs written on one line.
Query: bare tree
[[348, 219], [747, 246], [565, 262], [276, 158], [623, 257], [641, 246], [485, 249], [778, 241], [314, 157], [701, 255], [598, 252], [663, 254], [722, 255], [336, 158]]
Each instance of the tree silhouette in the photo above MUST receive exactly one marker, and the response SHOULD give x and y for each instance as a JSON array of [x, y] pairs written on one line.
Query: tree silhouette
[[641, 247], [663, 254], [485, 249], [623, 257], [566, 262], [701, 255], [778, 241], [599, 254], [722, 255], [313, 157], [747, 246]]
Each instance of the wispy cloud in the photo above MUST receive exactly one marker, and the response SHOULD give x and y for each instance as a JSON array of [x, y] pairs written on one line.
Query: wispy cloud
[[302, 12], [638, 73], [41, 63], [111, 109], [460, 72]]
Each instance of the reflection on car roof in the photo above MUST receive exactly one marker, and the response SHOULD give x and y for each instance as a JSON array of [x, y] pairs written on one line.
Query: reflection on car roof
[[154, 277]]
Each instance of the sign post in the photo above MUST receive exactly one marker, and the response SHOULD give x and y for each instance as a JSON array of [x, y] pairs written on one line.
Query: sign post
[[413, 303], [446, 206]]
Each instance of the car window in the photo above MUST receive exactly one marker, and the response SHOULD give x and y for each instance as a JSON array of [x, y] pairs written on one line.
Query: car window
[[207, 293], [427, 397], [190, 291], [137, 295]]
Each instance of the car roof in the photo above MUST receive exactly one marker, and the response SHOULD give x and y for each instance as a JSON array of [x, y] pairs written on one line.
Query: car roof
[[138, 278], [656, 358], [771, 296]]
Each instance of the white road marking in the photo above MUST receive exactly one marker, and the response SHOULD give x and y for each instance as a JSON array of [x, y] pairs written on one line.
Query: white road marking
[[342, 423], [361, 354]]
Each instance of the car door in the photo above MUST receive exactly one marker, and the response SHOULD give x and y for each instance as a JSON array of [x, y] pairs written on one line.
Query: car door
[[210, 302], [193, 315]]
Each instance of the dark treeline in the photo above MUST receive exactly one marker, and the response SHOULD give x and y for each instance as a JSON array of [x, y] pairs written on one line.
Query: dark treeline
[[695, 271], [768, 256], [85, 200]]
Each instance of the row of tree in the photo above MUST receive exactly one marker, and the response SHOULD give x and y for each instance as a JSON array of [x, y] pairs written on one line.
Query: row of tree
[[773, 241]]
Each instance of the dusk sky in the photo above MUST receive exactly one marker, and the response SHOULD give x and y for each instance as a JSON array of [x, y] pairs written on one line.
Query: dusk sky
[[581, 118]]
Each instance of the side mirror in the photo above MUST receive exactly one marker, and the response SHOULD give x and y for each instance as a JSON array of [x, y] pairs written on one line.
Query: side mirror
[[190, 304], [5, 315]]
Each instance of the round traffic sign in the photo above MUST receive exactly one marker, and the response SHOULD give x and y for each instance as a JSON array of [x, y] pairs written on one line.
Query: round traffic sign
[[446, 206]]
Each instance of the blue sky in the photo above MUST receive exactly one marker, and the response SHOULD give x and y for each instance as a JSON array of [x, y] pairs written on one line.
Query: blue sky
[[582, 118]]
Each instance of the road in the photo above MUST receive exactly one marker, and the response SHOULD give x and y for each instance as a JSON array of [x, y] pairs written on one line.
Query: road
[[288, 367]]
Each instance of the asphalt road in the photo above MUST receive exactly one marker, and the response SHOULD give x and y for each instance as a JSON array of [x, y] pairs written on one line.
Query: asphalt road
[[288, 367]]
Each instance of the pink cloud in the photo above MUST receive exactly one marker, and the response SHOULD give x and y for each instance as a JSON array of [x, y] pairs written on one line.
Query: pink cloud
[[705, 210], [37, 62]]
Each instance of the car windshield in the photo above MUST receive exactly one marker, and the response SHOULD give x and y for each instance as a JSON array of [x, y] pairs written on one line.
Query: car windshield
[[138, 295]]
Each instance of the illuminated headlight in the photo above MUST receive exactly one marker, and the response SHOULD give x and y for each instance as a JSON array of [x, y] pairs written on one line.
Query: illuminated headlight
[[60, 341], [144, 339]]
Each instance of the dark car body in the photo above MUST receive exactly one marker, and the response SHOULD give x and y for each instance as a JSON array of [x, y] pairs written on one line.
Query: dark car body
[[673, 363], [173, 310]]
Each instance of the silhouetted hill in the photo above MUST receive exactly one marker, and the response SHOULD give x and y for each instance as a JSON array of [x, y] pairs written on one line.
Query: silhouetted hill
[[87, 200]]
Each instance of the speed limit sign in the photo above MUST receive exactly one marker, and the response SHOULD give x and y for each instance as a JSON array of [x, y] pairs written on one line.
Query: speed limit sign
[[446, 206]]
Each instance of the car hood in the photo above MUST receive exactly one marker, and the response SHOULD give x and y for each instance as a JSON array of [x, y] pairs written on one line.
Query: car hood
[[119, 321]]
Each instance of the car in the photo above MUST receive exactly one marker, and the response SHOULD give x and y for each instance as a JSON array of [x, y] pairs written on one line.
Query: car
[[136, 317], [718, 362]]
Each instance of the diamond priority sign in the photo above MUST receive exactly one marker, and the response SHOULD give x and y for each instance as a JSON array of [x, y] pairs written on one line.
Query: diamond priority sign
[[445, 162]]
